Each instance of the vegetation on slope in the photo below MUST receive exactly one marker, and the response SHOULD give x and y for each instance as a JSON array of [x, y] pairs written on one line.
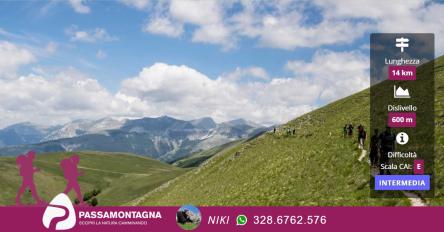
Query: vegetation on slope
[[120, 177], [197, 158]]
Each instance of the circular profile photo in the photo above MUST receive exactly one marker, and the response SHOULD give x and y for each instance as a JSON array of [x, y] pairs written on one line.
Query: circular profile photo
[[188, 217]]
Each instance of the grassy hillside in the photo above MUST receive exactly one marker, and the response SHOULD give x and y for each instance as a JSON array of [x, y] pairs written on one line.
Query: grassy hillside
[[198, 158], [121, 177], [439, 133], [317, 166]]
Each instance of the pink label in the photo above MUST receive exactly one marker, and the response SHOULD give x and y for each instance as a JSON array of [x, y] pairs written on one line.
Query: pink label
[[402, 73], [418, 167], [400, 119]]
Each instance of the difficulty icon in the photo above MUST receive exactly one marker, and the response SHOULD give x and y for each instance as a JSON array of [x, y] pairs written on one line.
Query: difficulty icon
[[402, 138]]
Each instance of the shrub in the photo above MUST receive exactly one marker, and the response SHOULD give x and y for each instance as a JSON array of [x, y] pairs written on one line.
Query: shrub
[[94, 202], [96, 192], [87, 196]]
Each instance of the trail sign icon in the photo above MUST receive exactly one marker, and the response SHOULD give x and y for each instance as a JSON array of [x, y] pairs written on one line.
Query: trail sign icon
[[402, 43]]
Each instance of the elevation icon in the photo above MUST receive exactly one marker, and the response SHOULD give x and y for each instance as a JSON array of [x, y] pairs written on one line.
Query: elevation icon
[[400, 92]]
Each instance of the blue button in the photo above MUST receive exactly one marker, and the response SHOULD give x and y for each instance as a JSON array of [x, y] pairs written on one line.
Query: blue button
[[402, 182]]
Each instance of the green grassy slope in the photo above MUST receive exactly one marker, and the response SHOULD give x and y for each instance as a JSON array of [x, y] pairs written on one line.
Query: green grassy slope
[[315, 167], [198, 158], [121, 177], [439, 134]]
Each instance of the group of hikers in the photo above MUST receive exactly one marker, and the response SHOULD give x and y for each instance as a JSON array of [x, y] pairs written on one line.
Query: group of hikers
[[380, 145], [362, 134], [288, 131], [27, 170]]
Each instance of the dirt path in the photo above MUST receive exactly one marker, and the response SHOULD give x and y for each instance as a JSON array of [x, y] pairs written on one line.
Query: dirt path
[[414, 199], [100, 170], [363, 154], [114, 172]]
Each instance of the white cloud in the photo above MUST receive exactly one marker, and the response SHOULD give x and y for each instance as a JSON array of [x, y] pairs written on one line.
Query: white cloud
[[294, 24], [101, 54], [206, 15], [183, 92], [163, 26], [167, 83], [214, 34], [422, 16], [198, 12], [186, 93], [79, 6], [253, 72], [284, 33], [54, 98], [368, 9], [12, 57], [139, 4], [283, 26], [339, 74], [90, 36]]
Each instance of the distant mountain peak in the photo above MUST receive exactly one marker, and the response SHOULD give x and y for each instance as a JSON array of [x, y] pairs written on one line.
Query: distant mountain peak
[[204, 123], [23, 133], [241, 121], [20, 124], [84, 126], [166, 117]]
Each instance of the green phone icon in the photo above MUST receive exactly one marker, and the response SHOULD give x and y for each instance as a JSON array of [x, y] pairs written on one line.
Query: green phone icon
[[241, 220]]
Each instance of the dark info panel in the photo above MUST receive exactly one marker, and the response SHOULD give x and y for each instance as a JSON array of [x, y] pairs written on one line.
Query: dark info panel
[[402, 111]]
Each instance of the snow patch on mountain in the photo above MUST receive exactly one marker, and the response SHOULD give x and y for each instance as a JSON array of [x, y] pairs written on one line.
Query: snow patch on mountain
[[71, 147], [81, 127]]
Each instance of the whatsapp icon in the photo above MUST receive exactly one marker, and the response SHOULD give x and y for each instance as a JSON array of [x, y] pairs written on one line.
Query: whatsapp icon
[[241, 220]]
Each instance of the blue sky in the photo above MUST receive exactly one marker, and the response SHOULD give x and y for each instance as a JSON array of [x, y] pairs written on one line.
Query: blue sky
[[133, 49], [266, 61]]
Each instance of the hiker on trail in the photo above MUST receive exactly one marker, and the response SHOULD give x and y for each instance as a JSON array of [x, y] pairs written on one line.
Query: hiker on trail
[[374, 148], [345, 130], [274, 130], [362, 135], [387, 139], [71, 173], [27, 170], [294, 131], [350, 130]]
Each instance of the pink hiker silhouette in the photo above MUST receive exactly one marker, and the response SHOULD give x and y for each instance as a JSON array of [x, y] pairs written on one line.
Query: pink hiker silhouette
[[27, 170], [70, 172]]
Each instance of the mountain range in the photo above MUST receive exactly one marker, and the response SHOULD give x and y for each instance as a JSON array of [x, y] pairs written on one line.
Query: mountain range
[[164, 138]]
